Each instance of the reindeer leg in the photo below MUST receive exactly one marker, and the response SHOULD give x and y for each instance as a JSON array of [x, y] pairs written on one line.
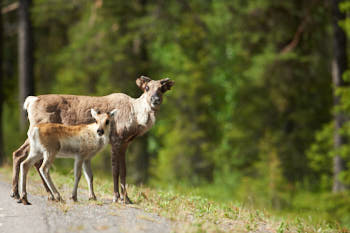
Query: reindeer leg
[[115, 171], [121, 157], [18, 156]]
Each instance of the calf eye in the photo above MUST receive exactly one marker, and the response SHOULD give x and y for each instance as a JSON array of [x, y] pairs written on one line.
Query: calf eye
[[107, 122], [147, 88]]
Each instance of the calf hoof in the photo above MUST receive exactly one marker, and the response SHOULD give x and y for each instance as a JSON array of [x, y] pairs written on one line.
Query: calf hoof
[[92, 198], [126, 200], [14, 195], [58, 198], [24, 201]]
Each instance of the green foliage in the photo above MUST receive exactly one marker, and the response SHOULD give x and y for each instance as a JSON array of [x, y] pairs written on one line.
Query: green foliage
[[13, 137], [321, 152], [338, 206]]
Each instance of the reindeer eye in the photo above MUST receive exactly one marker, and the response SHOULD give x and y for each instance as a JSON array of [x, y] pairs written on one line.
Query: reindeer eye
[[147, 88], [107, 122]]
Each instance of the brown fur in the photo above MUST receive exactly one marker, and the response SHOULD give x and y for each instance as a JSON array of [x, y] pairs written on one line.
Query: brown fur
[[74, 110], [47, 129], [51, 132]]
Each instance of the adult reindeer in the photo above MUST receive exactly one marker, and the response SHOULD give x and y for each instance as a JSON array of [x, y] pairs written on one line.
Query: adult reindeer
[[134, 118]]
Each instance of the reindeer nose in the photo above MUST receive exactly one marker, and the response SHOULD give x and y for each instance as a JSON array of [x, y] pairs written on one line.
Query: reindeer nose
[[100, 132], [155, 99]]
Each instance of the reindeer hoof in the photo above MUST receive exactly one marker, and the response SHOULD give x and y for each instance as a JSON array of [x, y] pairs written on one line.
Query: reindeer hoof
[[50, 198], [74, 198], [14, 195]]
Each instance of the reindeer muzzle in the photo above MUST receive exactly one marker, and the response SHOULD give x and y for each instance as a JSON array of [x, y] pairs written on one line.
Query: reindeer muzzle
[[156, 100]]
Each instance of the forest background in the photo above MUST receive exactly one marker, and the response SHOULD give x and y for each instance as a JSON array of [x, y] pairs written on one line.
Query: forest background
[[260, 109]]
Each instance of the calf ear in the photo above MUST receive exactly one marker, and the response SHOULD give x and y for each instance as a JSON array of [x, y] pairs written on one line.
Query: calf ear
[[142, 82], [94, 113], [111, 113], [167, 83]]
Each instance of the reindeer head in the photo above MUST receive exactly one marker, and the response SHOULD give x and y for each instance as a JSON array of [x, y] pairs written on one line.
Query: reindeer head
[[154, 89], [103, 121]]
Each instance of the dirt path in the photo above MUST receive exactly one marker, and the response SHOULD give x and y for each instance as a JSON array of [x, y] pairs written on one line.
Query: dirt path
[[46, 217]]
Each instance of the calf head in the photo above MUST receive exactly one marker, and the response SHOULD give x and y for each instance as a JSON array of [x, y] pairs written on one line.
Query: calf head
[[154, 89], [103, 121]]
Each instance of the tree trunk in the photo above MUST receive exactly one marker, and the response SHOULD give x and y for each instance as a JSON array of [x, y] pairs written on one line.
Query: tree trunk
[[339, 66], [2, 154], [25, 56], [143, 160]]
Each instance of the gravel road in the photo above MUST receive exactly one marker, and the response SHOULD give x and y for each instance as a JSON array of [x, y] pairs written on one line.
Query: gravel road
[[46, 217]]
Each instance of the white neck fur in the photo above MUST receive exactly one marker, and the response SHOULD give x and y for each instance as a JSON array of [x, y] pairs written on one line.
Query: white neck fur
[[144, 113]]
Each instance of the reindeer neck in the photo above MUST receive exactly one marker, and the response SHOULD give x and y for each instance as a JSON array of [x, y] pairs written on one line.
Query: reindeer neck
[[144, 113], [141, 105]]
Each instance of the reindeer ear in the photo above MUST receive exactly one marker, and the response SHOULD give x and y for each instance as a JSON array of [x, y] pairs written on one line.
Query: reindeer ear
[[111, 113], [94, 113], [142, 81], [167, 83]]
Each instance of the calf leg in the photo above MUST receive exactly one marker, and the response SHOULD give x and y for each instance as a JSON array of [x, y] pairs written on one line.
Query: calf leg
[[77, 175], [25, 165], [45, 172], [37, 166], [89, 178]]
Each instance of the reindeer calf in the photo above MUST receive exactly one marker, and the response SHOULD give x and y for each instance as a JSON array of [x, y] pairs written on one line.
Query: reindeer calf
[[81, 142]]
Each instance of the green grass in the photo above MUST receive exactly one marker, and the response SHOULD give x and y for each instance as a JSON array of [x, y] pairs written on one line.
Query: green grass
[[189, 210]]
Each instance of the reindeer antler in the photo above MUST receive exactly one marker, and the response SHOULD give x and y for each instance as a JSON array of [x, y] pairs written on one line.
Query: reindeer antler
[[163, 81]]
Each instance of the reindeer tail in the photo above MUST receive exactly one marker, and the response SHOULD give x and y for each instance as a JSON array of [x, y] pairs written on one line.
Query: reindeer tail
[[29, 100]]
